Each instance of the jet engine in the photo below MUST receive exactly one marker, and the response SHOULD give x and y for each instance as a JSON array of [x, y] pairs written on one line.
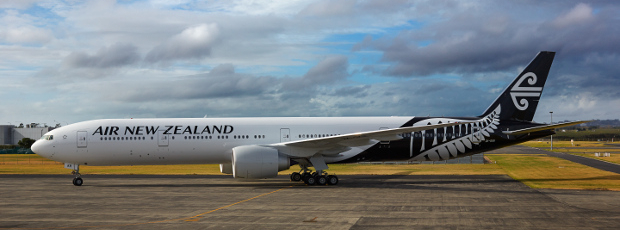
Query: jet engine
[[256, 162]]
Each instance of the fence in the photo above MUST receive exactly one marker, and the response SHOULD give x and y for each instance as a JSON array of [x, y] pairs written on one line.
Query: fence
[[16, 151]]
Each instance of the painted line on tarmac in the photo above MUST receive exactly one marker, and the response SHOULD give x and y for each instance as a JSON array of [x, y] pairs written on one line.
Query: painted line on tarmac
[[197, 217], [193, 218]]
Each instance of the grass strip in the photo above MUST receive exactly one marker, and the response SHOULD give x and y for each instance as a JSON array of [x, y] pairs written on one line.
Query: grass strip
[[542, 171]]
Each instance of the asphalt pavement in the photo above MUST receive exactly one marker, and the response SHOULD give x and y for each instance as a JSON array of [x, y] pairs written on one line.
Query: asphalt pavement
[[357, 202]]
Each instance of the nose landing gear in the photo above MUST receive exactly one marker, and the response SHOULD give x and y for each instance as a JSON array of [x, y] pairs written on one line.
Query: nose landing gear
[[77, 181]]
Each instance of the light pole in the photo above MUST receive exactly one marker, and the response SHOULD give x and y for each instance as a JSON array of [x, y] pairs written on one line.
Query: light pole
[[551, 112]]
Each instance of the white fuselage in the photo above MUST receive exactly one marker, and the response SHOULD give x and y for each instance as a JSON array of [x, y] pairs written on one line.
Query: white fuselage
[[192, 140]]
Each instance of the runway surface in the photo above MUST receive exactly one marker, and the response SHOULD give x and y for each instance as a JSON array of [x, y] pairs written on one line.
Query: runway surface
[[358, 202], [520, 149]]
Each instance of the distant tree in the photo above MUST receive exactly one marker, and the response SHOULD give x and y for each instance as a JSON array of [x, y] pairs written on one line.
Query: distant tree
[[25, 142]]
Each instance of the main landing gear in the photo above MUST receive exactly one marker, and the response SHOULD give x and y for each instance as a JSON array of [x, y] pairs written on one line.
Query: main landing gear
[[314, 178]]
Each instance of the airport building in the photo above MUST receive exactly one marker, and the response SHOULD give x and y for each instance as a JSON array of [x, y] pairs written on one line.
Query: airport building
[[10, 134]]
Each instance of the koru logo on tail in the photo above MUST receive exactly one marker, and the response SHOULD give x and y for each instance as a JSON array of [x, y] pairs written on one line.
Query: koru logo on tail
[[524, 91]]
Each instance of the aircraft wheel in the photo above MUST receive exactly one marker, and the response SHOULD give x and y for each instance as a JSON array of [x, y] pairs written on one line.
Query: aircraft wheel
[[310, 181], [305, 176], [78, 181], [332, 180], [295, 176], [321, 180]]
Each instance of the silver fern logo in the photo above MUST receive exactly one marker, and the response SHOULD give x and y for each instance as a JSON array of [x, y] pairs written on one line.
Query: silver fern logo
[[474, 134], [524, 91]]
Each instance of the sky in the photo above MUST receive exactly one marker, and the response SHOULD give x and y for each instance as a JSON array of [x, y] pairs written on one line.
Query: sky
[[65, 61]]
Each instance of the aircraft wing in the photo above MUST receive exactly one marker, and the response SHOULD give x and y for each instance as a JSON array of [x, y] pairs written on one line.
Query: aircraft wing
[[541, 128], [336, 144]]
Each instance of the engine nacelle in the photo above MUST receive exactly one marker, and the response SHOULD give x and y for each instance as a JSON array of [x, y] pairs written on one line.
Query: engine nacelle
[[256, 162], [226, 168]]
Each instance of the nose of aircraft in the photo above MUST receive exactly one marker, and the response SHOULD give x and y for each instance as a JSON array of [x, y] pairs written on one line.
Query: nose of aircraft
[[38, 148]]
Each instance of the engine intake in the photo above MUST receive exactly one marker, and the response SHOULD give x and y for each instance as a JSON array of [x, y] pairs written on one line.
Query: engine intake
[[257, 162]]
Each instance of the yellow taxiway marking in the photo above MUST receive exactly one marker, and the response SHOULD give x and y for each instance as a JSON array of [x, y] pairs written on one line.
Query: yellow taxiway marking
[[196, 217], [193, 218]]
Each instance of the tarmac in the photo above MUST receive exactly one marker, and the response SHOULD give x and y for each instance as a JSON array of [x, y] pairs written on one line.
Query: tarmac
[[357, 202]]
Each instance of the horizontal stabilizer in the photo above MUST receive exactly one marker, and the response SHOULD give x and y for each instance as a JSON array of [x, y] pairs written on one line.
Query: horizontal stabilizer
[[541, 128]]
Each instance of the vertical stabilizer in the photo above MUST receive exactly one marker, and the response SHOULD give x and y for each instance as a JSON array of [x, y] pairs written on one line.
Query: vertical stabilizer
[[520, 99]]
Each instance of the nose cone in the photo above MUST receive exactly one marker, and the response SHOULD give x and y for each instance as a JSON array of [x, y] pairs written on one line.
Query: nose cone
[[39, 148]]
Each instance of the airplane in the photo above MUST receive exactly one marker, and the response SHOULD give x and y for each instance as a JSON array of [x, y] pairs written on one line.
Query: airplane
[[256, 148]]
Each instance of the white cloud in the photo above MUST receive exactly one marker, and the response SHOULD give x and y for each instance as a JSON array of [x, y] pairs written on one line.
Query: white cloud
[[17, 4], [329, 8], [581, 13], [17, 28], [192, 43], [116, 55], [26, 35]]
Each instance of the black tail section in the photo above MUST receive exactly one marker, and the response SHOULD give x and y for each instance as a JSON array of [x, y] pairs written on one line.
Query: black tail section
[[519, 100]]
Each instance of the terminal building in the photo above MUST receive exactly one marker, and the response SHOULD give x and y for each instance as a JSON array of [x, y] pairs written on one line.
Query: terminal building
[[10, 134]]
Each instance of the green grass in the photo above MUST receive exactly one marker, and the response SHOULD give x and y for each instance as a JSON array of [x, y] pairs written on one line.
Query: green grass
[[594, 134], [542, 171], [40, 165], [561, 144], [580, 148]]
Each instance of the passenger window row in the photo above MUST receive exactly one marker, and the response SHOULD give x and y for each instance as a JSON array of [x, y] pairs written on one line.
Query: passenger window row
[[122, 138], [316, 135], [186, 138]]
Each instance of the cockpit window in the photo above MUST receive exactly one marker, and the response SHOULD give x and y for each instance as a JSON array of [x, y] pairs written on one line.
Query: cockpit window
[[47, 137]]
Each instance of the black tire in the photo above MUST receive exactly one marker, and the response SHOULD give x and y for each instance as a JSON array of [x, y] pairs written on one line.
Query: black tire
[[332, 180], [295, 176], [321, 180], [304, 176], [78, 181], [310, 181]]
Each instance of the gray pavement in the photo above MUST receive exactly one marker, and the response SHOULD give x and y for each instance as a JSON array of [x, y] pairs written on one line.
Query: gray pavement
[[358, 202], [520, 149]]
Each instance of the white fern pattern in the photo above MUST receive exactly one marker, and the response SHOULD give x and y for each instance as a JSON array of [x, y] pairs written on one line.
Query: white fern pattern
[[460, 145]]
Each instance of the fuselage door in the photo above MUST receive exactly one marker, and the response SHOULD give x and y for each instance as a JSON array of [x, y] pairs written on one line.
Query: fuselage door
[[285, 135], [384, 144], [162, 139], [81, 139]]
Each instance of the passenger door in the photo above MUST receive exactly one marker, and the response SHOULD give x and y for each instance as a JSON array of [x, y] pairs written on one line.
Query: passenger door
[[81, 139]]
